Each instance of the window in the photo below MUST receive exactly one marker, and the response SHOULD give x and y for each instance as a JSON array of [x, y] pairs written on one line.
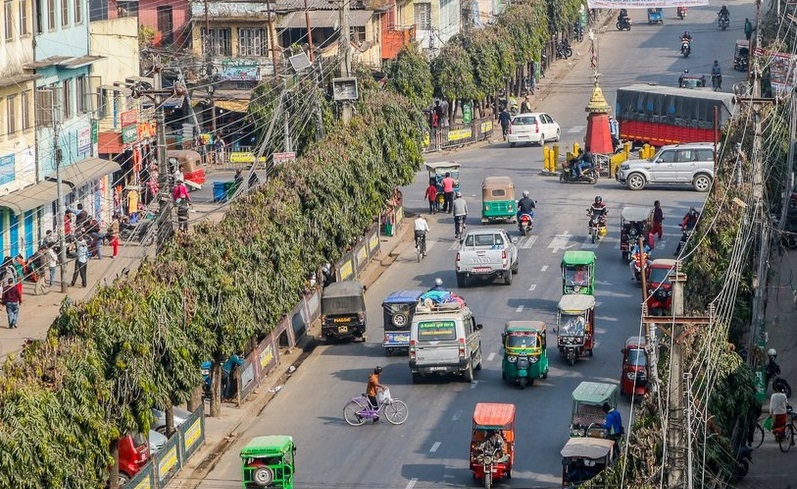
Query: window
[[64, 13], [166, 24], [252, 42], [218, 43], [8, 10], [44, 107], [25, 110], [81, 89], [66, 98], [23, 18], [51, 15], [11, 114], [357, 34], [423, 16], [666, 157], [78, 11]]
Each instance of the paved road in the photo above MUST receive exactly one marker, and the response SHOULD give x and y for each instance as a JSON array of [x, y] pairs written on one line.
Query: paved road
[[431, 449]]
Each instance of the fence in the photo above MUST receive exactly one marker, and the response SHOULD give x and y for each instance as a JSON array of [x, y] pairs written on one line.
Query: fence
[[367, 247], [458, 134]]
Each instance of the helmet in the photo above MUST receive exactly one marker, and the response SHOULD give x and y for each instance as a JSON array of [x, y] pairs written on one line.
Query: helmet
[[686, 33], [377, 370], [772, 352], [459, 194], [525, 193], [438, 282], [598, 199], [686, 70]]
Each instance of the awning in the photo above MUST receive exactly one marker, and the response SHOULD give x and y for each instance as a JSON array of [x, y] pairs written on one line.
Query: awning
[[85, 171], [324, 19], [241, 106], [79, 61], [30, 198], [18, 79], [42, 63]]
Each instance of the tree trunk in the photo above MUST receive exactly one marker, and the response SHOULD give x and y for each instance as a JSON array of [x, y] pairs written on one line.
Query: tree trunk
[[169, 420], [114, 475], [196, 399], [215, 389]]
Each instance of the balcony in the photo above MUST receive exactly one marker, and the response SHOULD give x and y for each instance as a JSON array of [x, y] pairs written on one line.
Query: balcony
[[396, 37]]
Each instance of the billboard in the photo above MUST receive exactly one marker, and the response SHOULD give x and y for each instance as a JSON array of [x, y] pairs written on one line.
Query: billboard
[[637, 4]]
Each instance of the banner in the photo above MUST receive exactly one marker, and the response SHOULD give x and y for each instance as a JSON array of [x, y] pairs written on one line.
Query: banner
[[781, 72], [638, 4]]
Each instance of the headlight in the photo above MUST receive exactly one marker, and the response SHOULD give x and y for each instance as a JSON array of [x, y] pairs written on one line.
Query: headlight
[[625, 166], [533, 359], [511, 358], [631, 375]]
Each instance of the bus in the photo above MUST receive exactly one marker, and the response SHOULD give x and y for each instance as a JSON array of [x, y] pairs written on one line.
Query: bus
[[659, 115]]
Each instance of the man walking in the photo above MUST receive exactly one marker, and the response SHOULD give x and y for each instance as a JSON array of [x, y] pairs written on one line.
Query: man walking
[[658, 218], [39, 263], [81, 262], [748, 29], [504, 119], [52, 264], [11, 299], [448, 193]]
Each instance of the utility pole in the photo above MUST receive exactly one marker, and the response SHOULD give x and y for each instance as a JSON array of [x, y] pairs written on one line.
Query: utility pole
[[345, 39], [271, 40], [309, 32], [61, 211]]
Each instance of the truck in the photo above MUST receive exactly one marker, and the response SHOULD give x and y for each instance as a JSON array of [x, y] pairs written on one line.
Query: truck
[[486, 254]]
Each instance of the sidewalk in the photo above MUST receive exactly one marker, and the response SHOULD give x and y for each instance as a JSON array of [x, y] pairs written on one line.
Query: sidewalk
[[223, 431]]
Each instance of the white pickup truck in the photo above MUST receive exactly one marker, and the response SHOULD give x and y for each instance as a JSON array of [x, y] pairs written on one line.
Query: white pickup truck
[[486, 253]]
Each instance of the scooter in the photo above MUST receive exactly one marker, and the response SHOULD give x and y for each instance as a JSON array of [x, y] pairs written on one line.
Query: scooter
[[563, 50], [623, 24], [589, 175], [686, 47], [681, 12], [597, 224], [525, 223]]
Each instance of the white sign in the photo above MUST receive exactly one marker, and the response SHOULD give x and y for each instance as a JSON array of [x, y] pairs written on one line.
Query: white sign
[[280, 158], [631, 4], [84, 140]]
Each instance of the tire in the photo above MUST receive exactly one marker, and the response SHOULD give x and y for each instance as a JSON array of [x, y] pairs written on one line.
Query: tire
[[399, 319], [788, 438], [545, 374], [503, 375], [561, 178], [758, 436], [263, 476], [568, 52], [508, 277], [742, 468], [558, 135], [397, 412], [161, 430], [523, 382], [542, 140], [619, 27], [511, 145], [416, 378], [593, 234], [571, 357], [635, 181], [461, 280], [488, 480], [467, 376], [418, 254], [123, 479], [702, 183], [515, 269], [350, 411]]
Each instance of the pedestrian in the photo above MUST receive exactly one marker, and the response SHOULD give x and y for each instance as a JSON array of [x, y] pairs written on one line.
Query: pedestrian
[[180, 192], [12, 300], [39, 265], [779, 412], [448, 193], [254, 180], [220, 148], [614, 131], [9, 273], [525, 106], [52, 264], [178, 174], [748, 29], [113, 233], [239, 180], [49, 239], [504, 119], [68, 223], [658, 218], [20, 268], [228, 384], [81, 262], [431, 196]]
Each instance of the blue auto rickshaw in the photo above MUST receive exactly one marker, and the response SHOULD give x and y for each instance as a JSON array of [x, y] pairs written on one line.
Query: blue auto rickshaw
[[398, 309], [655, 15]]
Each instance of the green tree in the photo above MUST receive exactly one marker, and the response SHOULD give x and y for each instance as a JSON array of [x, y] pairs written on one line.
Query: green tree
[[453, 74], [410, 75]]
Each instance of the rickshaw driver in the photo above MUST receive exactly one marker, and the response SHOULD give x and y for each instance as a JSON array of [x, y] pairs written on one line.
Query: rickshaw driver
[[495, 444], [580, 275], [613, 423], [373, 387], [525, 205]]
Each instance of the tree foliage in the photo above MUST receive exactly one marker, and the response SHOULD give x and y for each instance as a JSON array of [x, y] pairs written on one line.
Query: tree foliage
[[410, 75]]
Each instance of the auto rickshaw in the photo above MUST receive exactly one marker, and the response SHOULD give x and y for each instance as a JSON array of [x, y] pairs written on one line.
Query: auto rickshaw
[[585, 458], [659, 300], [588, 399], [575, 334], [655, 15], [634, 378], [578, 272], [268, 461], [189, 162], [525, 355], [437, 171], [741, 55], [634, 223], [492, 419], [397, 311], [343, 311], [498, 199]]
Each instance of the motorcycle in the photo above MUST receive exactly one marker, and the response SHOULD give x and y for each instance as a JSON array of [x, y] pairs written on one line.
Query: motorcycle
[[578, 31], [681, 12], [205, 371], [623, 24], [563, 50], [744, 457], [589, 175], [685, 235], [686, 47], [779, 384], [597, 224], [139, 231], [525, 223], [487, 460], [723, 21]]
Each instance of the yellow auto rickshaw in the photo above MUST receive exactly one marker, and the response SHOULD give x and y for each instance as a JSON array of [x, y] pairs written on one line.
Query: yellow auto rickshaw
[[498, 199]]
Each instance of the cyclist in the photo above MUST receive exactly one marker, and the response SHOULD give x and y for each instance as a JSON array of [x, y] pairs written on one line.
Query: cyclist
[[460, 206], [373, 387], [421, 230], [778, 409]]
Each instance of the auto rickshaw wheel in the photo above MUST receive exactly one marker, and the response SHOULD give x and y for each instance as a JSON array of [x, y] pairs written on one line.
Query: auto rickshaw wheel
[[590, 352], [263, 476], [416, 378], [503, 375], [488, 480], [545, 374], [523, 382]]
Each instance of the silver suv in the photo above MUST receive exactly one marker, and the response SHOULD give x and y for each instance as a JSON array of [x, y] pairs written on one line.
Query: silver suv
[[689, 164]]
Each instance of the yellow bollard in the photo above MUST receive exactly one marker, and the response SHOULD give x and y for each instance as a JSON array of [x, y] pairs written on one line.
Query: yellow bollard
[[546, 155], [554, 158], [627, 149], [575, 148]]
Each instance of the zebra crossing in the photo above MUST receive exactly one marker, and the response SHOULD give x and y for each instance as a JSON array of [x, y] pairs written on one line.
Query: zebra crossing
[[557, 243]]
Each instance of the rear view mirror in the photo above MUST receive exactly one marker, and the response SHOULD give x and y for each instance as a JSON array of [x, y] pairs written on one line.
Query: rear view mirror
[[479, 326], [514, 239]]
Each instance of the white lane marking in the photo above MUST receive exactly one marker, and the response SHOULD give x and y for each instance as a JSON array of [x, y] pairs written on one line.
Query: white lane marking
[[411, 483], [575, 129], [456, 416], [454, 246], [527, 242], [435, 446], [519, 308], [532, 287], [474, 384], [543, 269], [561, 242], [430, 244], [490, 357], [589, 245]]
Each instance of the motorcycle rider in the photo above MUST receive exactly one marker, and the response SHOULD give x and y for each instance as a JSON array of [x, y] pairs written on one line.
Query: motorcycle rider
[[686, 38], [716, 74], [622, 18], [460, 207], [438, 285], [586, 161], [772, 369], [724, 14], [687, 225], [525, 205], [421, 228]]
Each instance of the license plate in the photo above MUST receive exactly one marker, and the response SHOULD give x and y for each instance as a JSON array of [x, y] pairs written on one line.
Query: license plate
[[481, 270], [436, 369], [343, 329]]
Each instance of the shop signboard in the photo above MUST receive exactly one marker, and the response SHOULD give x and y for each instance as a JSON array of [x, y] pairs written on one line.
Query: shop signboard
[[7, 169]]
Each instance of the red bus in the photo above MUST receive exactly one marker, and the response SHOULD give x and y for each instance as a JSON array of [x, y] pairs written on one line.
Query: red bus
[[660, 115]]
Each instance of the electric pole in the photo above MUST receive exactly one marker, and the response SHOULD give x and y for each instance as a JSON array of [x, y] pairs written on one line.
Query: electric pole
[[309, 32], [61, 211], [345, 39]]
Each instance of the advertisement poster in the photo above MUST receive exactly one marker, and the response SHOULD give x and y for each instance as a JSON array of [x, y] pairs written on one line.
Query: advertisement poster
[[84, 140], [638, 4]]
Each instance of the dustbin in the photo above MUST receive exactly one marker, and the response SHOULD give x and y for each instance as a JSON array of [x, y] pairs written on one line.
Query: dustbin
[[219, 192], [229, 188]]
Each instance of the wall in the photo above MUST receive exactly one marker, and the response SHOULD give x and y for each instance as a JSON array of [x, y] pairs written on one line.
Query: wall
[[117, 40], [181, 18], [16, 52], [71, 40]]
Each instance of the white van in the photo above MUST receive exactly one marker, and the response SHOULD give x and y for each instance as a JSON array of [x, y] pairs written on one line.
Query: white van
[[444, 339]]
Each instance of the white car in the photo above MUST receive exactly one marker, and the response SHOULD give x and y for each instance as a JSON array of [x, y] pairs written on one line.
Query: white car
[[534, 127]]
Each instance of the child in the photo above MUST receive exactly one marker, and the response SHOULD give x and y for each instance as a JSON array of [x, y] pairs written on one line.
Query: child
[[431, 196]]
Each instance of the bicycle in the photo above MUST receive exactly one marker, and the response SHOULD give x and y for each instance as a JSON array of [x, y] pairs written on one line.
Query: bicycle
[[786, 440], [459, 227], [359, 409], [420, 245]]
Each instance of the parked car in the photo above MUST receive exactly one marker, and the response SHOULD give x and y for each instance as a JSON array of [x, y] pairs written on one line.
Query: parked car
[[486, 253], [133, 454], [156, 442], [536, 127], [686, 164], [159, 425]]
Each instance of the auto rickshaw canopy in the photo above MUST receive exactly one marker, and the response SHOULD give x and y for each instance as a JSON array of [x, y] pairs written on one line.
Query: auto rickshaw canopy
[[441, 167], [575, 258], [576, 303], [343, 297], [587, 447], [595, 394], [498, 188], [533, 329], [494, 415], [742, 47], [403, 296], [635, 342], [523, 325], [635, 214], [270, 445]]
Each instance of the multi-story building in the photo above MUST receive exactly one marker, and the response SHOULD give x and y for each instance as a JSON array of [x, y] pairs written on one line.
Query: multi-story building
[[436, 21], [20, 191]]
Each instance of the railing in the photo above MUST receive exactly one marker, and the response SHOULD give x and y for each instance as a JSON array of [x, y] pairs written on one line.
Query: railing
[[440, 138]]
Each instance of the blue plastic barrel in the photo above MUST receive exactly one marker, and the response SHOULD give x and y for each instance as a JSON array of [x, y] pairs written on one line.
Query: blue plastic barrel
[[219, 192]]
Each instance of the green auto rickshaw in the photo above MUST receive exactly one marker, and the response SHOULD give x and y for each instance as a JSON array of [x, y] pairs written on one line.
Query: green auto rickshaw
[[268, 461], [587, 414], [498, 199], [525, 354], [578, 272]]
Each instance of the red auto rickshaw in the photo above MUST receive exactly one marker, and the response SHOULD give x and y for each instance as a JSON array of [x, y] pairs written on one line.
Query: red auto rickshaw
[[659, 300], [492, 445], [634, 379], [189, 162]]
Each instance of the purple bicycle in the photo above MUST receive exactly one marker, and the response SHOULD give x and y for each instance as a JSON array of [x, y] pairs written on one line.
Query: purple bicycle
[[358, 410]]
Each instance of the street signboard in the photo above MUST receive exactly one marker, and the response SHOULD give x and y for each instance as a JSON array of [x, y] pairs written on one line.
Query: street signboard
[[287, 157]]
